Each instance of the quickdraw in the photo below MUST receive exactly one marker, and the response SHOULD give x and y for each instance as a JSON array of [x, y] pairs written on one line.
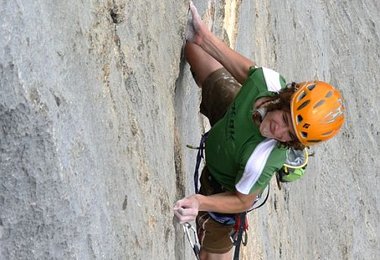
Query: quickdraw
[[192, 237], [241, 227]]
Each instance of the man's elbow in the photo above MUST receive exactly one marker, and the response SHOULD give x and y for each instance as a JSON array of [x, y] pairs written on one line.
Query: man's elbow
[[248, 204], [247, 201]]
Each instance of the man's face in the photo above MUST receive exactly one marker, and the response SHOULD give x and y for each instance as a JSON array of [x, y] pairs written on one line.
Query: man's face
[[278, 125]]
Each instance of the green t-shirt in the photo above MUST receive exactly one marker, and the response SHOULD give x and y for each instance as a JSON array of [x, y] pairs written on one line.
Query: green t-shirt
[[233, 139]]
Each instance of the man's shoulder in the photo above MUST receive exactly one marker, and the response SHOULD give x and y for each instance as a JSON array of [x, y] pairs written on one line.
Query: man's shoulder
[[268, 78], [252, 152]]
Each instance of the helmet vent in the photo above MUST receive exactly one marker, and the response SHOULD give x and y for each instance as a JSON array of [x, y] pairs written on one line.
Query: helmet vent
[[311, 87], [320, 103], [301, 96], [304, 104], [329, 94], [304, 134], [314, 141], [299, 119]]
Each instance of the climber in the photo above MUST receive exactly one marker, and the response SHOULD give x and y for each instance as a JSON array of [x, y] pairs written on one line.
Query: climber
[[254, 116]]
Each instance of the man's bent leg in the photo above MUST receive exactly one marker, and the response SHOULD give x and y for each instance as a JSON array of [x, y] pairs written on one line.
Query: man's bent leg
[[204, 255], [202, 64], [218, 92]]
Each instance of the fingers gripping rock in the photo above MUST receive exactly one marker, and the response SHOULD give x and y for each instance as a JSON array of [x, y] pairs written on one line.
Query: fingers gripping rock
[[193, 23], [186, 210]]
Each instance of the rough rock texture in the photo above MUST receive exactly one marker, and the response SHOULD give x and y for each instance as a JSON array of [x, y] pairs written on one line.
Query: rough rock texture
[[333, 212], [97, 105], [87, 128]]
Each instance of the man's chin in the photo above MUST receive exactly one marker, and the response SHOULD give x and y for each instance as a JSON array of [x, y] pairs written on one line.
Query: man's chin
[[265, 134]]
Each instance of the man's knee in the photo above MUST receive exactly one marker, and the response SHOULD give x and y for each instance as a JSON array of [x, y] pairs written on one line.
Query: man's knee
[[204, 255]]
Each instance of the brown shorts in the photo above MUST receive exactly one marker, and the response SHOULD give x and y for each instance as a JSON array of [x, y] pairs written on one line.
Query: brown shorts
[[214, 237], [218, 92]]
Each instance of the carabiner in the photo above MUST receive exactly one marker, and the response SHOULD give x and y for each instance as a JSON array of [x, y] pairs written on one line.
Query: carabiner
[[192, 238]]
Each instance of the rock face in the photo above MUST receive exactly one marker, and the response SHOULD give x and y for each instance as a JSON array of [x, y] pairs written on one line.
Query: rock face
[[97, 106], [333, 212]]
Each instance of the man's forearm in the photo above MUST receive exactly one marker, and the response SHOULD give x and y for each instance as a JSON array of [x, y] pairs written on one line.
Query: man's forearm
[[234, 62], [226, 202]]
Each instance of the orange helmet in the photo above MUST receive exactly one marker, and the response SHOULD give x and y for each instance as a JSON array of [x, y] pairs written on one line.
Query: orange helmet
[[317, 112]]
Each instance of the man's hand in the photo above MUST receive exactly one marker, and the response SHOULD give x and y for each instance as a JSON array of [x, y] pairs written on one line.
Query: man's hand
[[186, 210], [195, 26], [198, 33]]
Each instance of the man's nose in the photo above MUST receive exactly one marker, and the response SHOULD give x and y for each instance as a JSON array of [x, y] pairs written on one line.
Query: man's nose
[[281, 132]]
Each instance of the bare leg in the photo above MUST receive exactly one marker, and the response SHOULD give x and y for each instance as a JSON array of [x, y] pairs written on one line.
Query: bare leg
[[201, 63], [211, 256]]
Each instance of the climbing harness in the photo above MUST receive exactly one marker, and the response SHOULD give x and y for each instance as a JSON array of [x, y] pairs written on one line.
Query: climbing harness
[[192, 237], [239, 221], [200, 156], [296, 161]]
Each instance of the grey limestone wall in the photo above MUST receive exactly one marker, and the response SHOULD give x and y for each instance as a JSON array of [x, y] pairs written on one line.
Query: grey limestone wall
[[97, 105]]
